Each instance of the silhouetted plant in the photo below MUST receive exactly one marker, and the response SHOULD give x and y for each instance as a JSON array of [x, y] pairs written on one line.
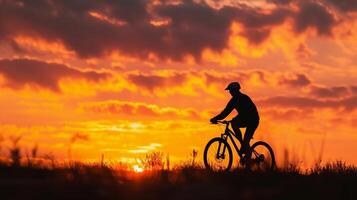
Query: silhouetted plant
[[293, 168], [75, 137], [194, 155], [167, 162], [15, 151], [154, 161], [337, 167], [1, 140], [102, 160], [31, 159], [50, 157]]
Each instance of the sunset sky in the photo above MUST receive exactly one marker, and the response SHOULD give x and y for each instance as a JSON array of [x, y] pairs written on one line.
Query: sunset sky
[[126, 77]]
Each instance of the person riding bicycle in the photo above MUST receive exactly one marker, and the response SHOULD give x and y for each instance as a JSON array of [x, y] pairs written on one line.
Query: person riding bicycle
[[247, 114]]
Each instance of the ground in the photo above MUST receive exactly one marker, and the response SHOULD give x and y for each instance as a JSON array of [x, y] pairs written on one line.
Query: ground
[[80, 181]]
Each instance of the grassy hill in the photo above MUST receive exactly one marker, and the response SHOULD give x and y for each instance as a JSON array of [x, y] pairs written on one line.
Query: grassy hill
[[80, 181]]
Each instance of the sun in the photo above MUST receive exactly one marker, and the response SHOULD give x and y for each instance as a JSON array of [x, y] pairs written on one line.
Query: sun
[[137, 169]]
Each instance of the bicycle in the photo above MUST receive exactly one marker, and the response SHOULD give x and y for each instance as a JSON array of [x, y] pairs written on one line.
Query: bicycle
[[218, 154]]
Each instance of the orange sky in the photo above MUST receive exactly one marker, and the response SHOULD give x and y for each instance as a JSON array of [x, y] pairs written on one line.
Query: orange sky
[[123, 78]]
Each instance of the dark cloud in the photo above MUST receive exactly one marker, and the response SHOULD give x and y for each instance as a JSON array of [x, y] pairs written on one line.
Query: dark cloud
[[138, 109], [289, 114], [153, 81], [257, 25], [195, 26], [344, 5], [129, 10], [353, 90], [280, 2], [333, 91], [285, 101], [71, 23], [214, 78], [298, 80], [254, 18], [330, 92], [225, 79], [256, 36], [314, 15], [21, 72], [348, 103], [192, 26]]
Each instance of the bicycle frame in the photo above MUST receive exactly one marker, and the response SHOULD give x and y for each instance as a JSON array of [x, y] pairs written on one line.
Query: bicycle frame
[[248, 159], [228, 134]]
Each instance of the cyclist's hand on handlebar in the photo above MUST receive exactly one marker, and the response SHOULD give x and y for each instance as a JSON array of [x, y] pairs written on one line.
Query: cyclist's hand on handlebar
[[213, 121]]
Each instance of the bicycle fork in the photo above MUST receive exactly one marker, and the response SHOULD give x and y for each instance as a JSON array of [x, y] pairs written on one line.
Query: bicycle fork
[[224, 137]]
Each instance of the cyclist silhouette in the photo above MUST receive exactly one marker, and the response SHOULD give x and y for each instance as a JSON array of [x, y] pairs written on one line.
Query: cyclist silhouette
[[247, 114]]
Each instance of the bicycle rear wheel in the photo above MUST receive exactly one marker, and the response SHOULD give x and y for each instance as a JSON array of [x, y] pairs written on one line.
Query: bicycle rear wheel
[[218, 155], [261, 157]]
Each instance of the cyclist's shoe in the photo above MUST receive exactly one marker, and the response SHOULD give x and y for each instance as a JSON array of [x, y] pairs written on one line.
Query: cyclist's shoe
[[246, 160], [242, 160], [244, 149]]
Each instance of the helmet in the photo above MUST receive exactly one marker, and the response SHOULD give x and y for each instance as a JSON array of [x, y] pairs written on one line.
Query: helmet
[[233, 86]]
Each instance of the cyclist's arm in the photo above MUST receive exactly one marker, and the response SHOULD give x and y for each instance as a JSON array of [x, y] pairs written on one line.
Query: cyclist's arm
[[227, 110]]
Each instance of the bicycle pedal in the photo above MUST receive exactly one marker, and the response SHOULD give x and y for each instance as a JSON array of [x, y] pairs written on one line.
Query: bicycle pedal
[[242, 160]]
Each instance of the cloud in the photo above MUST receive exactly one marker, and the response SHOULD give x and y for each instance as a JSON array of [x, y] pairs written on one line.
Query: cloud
[[348, 103], [288, 101], [314, 15], [333, 91], [353, 89], [303, 52], [290, 114], [280, 2], [195, 79], [344, 5], [136, 109], [153, 81], [191, 82], [256, 36], [71, 23], [21, 72], [257, 25], [164, 30], [298, 80], [226, 78], [194, 27], [98, 27]]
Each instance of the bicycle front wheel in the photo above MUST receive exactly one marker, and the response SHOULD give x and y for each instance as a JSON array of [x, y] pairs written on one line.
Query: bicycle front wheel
[[262, 157], [218, 155]]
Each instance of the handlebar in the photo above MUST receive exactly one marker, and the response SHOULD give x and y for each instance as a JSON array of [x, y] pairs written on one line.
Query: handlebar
[[223, 122]]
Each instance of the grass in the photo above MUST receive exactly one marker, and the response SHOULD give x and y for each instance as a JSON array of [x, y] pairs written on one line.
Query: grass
[[82, 181], [42, 177]]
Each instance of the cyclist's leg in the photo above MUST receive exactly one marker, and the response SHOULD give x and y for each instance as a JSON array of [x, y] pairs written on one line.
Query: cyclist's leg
[[236, 124], [249, 132]]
